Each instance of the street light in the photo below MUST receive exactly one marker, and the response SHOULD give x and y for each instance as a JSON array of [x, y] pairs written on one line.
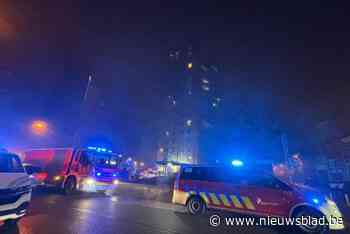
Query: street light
[[39, 127], [189, 66], [189, 123], [237, 163]]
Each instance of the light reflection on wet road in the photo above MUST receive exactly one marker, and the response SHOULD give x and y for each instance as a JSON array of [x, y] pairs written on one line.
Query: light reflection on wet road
[[52, 213]]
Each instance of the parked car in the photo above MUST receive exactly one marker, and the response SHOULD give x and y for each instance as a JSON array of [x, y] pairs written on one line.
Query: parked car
[[15, 189]]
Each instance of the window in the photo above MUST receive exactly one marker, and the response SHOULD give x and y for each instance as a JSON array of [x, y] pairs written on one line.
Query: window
[[266, 182], [10, 163], [100, 159], [213, 174], [218, 174], [194, 173]]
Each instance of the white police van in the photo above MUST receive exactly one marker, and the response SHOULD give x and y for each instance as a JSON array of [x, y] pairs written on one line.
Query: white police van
[[15, 188]]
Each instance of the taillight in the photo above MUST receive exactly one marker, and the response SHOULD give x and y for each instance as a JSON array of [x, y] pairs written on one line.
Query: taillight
[[41, 176]]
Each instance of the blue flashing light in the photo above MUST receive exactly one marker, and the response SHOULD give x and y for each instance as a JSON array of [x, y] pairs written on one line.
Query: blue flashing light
[[98, 173], [237, 163], [99, 149], [315, 200], [114, 175]]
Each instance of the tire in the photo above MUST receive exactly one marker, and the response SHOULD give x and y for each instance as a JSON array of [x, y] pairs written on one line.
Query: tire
[[196, 206], [313, 213], [70, 186]]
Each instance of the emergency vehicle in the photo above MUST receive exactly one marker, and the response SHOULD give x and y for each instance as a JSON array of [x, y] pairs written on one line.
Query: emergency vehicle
[[251, 192], [90, 170], [15, 189]]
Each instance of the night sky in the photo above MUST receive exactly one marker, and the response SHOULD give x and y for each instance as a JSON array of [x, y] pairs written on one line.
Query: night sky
[[296, 56]]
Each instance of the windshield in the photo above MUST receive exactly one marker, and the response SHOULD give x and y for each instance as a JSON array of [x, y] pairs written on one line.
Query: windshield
[[10, 163], [102, 159]]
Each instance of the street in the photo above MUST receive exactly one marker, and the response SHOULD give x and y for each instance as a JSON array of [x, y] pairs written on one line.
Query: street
[[54, 213]]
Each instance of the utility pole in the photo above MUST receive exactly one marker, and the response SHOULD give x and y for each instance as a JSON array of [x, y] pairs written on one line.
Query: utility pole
[[77, 137]]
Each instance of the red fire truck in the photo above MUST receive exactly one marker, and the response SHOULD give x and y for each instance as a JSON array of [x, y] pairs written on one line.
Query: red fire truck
[[91, 170]]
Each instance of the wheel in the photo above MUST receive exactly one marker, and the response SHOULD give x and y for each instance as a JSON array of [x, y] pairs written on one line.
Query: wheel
[[70, 186], [310, 228], [196, 206]]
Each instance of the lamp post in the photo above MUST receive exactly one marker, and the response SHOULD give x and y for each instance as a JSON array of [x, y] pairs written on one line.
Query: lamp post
[[86, 93]]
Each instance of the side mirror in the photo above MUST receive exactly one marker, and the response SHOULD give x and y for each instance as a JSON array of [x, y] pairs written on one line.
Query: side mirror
[[29, 171]]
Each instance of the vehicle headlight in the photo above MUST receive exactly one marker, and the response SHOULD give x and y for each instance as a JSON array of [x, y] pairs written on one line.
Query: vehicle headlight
[[115, 182], [57, 178], [330, 201], [90, 181]]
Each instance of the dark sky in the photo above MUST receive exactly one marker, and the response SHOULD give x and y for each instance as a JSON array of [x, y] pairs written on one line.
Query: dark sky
[[297, 53]]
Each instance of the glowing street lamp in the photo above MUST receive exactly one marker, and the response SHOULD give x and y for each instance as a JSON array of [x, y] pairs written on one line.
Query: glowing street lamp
[[189, 66], [39, 127], [237, 163], [189, 123]]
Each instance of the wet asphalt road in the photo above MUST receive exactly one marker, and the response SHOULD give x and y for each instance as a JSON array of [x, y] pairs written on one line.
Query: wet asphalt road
[[52, 213]]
